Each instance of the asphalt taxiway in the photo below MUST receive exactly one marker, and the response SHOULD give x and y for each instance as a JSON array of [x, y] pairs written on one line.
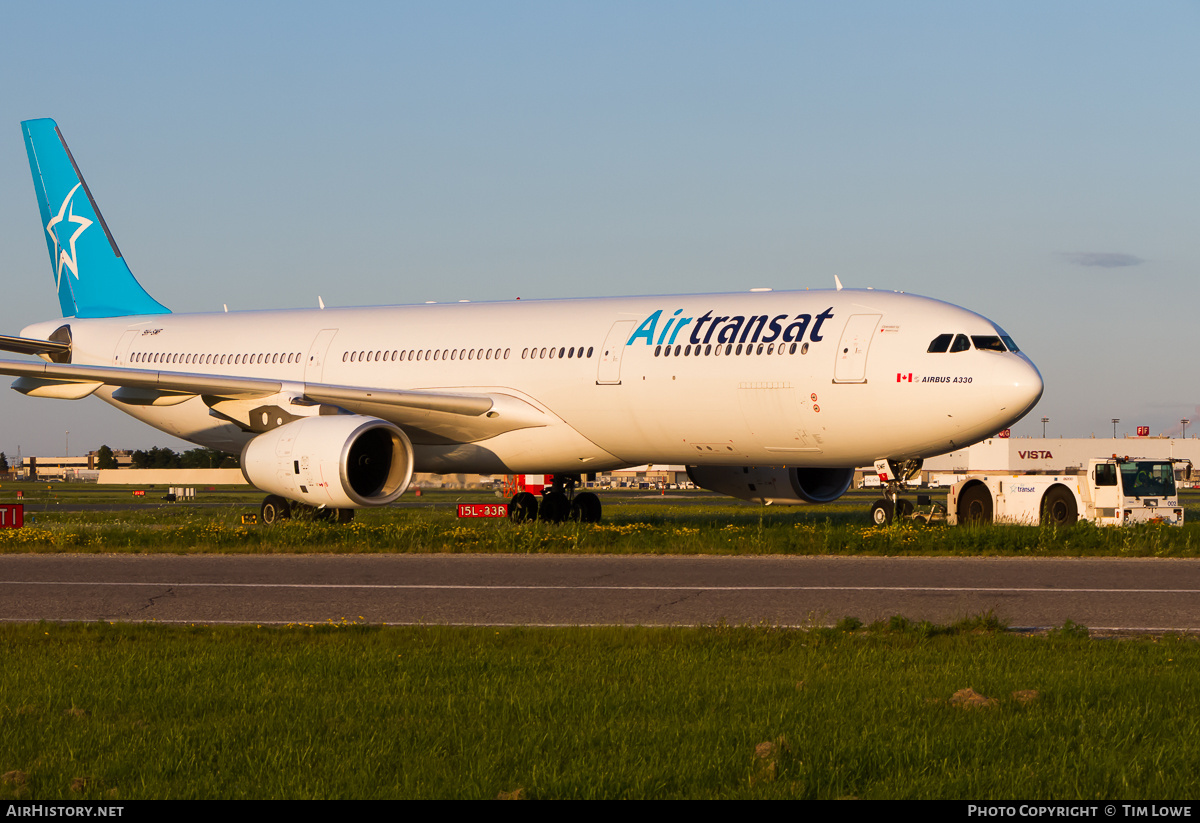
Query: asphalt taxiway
[[1134, 595]]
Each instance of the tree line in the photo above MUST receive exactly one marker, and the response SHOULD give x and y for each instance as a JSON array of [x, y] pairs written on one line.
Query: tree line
[[163, 458]]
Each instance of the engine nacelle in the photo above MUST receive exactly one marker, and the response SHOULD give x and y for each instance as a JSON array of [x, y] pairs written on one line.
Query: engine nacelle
[[337, 461], [774, 484]]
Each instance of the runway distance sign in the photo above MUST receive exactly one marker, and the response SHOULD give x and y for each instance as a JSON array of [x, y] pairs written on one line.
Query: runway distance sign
[[12, 515], [483, 510]]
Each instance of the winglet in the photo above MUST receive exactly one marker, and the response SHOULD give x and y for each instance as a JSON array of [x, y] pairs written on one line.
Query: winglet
[[90, 274]]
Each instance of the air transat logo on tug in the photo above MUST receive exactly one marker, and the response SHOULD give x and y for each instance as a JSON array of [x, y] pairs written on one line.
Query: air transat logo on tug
[[733, 329]]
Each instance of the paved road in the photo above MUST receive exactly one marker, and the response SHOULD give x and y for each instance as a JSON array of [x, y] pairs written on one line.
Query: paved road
[[1118, 594]]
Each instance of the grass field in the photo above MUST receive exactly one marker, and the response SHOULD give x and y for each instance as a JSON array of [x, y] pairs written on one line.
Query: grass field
[[97, 519], [120, 712]]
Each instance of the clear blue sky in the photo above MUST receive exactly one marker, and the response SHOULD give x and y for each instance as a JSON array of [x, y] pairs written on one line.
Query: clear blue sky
[[1035, 162]]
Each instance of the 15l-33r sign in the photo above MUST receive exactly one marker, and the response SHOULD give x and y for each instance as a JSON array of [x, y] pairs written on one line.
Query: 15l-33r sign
[[483, 510]]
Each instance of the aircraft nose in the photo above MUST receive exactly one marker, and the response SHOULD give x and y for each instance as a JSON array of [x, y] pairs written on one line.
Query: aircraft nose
[[1019, 389]]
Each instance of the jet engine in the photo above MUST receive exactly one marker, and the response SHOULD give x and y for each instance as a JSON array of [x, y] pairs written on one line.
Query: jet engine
[[774, 484], [336, 461]]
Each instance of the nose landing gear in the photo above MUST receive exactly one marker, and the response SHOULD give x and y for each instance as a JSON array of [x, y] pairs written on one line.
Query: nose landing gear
[[894, 474]]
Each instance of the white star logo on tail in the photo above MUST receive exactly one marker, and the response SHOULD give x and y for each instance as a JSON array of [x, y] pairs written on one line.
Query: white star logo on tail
[[67, 212]]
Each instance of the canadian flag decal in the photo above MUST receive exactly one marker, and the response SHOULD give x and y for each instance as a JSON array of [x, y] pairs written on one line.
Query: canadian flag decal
[[904, 378]]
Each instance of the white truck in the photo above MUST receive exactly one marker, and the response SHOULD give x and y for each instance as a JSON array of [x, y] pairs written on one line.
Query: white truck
[[1115, 491]]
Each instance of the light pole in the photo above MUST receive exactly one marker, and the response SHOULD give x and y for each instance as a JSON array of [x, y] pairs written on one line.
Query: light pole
[[1045, 420], [67, 443], [1185, 421], [1115, 421]]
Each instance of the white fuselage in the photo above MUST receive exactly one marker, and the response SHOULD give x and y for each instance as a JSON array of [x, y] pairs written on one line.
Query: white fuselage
[[810, 378]]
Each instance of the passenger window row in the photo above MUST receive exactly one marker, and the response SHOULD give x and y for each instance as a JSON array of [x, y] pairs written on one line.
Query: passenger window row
[[681, 350], [413, 355], [214, 359], [552, 353]]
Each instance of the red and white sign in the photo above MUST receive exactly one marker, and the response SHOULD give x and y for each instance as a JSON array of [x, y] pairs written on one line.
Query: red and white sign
[[534, 483], [12, 515], [483, 510], [139, 493], [1006, 433], [1143, 431]]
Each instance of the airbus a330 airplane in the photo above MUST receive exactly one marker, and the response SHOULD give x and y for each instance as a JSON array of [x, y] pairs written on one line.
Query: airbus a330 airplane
[[764, 395]]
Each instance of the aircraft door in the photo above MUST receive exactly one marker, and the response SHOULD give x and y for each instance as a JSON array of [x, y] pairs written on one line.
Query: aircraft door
[[314, 367], [1108, 489], [609, 373], [851, 363], [121, 355]]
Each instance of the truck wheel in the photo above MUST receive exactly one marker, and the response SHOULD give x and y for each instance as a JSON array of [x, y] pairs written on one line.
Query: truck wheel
[[975, 506], [1058, 507], [881, 512]]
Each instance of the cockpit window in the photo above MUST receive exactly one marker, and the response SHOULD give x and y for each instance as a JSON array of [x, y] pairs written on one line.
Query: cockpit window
[[987, 342], [960, 342], [940, 344]]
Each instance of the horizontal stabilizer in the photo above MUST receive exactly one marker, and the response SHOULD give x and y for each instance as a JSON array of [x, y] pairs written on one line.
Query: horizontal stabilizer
[[26, 345]]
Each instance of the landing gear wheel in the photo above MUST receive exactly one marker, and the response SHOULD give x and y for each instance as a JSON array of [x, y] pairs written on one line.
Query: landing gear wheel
[[555, 507], [274, 510], [328, 515], [1058, 507], [881, 512], [904, 509], [585, 508], [523, 507], [975, 506]]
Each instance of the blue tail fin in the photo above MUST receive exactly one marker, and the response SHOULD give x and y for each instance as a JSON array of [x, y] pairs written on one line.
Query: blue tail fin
[[91, 276]]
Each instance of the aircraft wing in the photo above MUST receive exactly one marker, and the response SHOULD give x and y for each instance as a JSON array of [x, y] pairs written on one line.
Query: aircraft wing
[[427, 416]]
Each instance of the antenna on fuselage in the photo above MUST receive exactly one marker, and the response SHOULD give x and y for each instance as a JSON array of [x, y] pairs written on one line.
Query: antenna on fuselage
[[837, 282], [320, 301]]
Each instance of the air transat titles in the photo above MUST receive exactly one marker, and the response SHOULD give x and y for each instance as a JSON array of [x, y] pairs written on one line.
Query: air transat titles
[[734, 329]]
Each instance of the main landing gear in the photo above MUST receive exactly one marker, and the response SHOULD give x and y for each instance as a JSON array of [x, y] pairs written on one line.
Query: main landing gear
[[894, 474], [559, 502], [276, 509]]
